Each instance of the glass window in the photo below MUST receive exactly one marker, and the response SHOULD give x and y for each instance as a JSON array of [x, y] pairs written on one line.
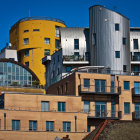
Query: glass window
[[46, 52], [117, 54], [76, 56], [26, 52], [124, 68], [61, 106], [126, 85], [137, 110], [135, 43], [68, 69], [57, 31], [49, 125], [116, 27], [26, 41], [35, 30], [57, 43], [124, 41], [15, 125], [113, 110], [126, 108], [86, 83], [87, 56], [86, 106], [46, 40], [32, 125], [44, 106], [88, 128], [100, 109], [100, 85], [137, 87], [66, 126], [25, 31], [76, 44], [27, 64]]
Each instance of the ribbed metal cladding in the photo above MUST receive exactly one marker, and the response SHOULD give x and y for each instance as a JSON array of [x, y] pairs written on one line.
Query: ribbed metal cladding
[[105, 40]]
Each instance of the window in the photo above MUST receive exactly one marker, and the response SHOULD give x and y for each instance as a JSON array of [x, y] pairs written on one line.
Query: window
[[46, 40], [25, 31], [61, 106], [76, 56], [57, 31], [87, 56], [137, 87], [57, 43], [49, 125], [124, 68], [66, 126], [124, 41], [35, 30], [116, 27], [100, 85], [15, 125], [135, 43], [113, 109], [68, 69], [46, 52], [44, 106], [26, 53], [88, 128], [86, 106], [26, 41], [126, 108], [137, 110], [76, 44], [100, 109], [32, 125], [27, 64], [117, 54], [126, 85], [86, 83]]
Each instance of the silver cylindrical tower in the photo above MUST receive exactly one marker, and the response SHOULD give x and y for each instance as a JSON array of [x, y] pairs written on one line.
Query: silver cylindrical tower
[[109, 39]]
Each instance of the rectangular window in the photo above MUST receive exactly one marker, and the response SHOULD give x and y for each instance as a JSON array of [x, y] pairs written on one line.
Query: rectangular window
[[44, 106], [76, 44], [32, 125], [126, 108], [86, 106], [124, 68], [68, 69], [26, 41], [49, 125], [26, 53], [126, 85], [87, 56], [25, 31], [137, 87], [113, 110], [135, 43], [61, 106], [57, 43], [76, 56], [124, 41], [15, 125], [117, 54], [137, 110], [57, 33], [66, 126], [46, 40], [46, 52], [88, 128], [100, 109], [86, 83], [35, 30], [116, 27], [100, 85], [27, 64]]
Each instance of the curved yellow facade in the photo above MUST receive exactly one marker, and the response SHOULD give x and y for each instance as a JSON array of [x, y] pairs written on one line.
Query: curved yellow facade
[[32, 38]]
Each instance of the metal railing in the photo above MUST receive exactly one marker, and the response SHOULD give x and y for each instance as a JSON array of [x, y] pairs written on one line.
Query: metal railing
[[135, 58], [136, 91], [99, 89]]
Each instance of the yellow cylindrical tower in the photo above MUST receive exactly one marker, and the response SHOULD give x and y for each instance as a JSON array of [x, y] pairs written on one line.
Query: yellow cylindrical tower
[[35, 37]]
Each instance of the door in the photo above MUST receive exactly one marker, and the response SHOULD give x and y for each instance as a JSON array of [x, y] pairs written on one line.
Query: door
[[100, 109], [100, 85]]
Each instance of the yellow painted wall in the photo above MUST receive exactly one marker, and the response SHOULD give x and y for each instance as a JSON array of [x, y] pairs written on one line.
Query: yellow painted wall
[[36, 44]]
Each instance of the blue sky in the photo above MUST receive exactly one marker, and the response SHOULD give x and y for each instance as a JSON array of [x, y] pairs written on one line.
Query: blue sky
[[75, 13]]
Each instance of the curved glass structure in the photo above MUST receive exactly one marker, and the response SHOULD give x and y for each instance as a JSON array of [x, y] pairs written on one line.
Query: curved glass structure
[[15, 74]]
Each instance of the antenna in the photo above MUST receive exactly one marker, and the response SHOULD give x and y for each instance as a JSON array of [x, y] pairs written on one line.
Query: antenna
[[29, 13]]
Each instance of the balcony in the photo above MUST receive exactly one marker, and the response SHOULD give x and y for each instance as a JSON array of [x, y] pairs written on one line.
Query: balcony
[[135, 58], [136, 115], [136, 95]]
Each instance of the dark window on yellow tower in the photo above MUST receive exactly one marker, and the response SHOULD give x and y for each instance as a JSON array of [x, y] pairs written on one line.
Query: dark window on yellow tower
[[57, 43], [35, 30], [57, 31], [26, 52], [47, 40], [26, 41], [27, 64], [46, 52], [25, 31]]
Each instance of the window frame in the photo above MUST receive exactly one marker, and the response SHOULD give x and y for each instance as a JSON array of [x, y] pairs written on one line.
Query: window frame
[[32, 125], [117, 54], [135, 41], [43, 107], [65, 124], [61, 107], [26, 41], [27, 52], [125, 86], [117, 26], [85, 84], [48, 127], [76, 44], [14, 125], [126, 109], [46, 40]]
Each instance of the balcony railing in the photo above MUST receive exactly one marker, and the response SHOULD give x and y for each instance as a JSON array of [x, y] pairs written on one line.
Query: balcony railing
[[75, 58], [99, 89], [136, 115], [136, 91], [135, 58]]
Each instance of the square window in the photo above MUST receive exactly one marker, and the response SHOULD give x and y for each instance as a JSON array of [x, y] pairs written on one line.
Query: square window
[[46, 52], [126, 85], [15, 125], [117, 54], [46, 40], [66, 126], [116, 27], [61, 106], [50, 126], [44, 106], [124, 41], [26, 41], [76, 44], [86, 83], [126, 108], [32, 125], [68, 69]]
